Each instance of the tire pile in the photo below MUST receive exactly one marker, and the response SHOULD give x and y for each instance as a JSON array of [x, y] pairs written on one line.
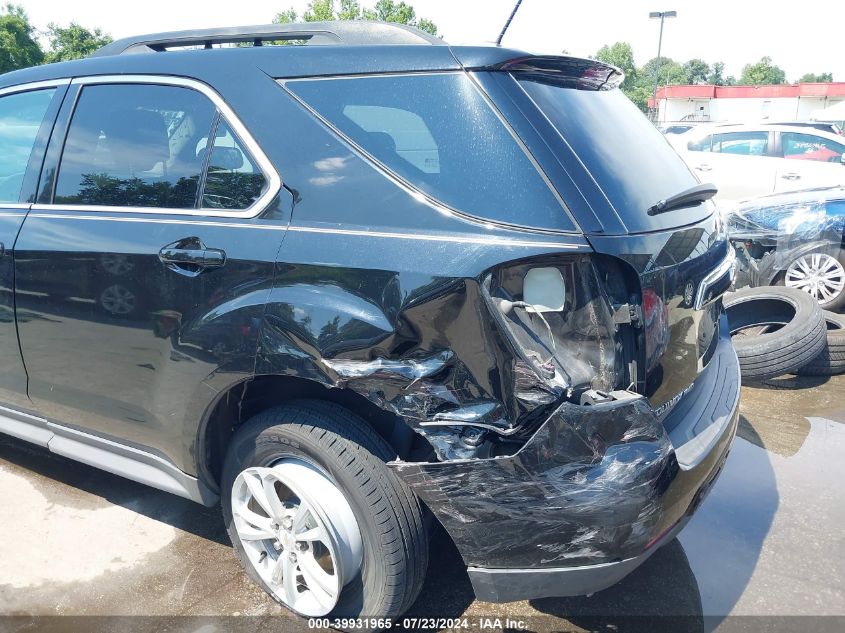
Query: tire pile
[[777, 330]]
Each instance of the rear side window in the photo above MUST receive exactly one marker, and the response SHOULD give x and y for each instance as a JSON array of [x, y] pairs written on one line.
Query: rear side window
[[811, 147], [21, 115], [437, 133]]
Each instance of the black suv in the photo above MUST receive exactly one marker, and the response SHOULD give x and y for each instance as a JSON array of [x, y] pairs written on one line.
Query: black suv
[[354, 290]]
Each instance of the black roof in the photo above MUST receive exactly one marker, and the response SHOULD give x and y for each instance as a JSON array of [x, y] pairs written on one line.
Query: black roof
[[353, 48]]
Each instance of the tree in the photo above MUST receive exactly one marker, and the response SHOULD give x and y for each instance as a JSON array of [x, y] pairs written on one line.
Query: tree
[[384, 10], [717, 75], [622, 56], [73, 42], [697, 71], [763, 72], [813, 78], [18, 48]]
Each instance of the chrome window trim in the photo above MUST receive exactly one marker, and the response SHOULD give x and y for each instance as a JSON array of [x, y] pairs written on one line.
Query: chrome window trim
[[274, 180], [34, 85]]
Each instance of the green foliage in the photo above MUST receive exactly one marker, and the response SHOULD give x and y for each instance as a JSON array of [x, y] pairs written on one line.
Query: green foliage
[[716, 76], [812, 78], [620, 55], [286, 17], [73, 42], [697, 71], [18, 47], [639, 80], [763, 72], [384, 10]]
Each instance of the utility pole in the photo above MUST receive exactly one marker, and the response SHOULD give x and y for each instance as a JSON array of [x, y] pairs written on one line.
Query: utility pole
[[662, 15]]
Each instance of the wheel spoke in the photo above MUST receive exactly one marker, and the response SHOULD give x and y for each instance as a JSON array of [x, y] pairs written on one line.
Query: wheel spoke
[[277, 508], [289, 582], [301, 516], [322, 584], [257, 490], [255, 526], [314, 534]]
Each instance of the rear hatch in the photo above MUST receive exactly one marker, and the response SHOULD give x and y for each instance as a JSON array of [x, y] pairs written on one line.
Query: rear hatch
[[612, 166]]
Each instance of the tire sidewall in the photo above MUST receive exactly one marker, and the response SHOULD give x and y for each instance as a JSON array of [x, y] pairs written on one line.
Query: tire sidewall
[[263, 447]]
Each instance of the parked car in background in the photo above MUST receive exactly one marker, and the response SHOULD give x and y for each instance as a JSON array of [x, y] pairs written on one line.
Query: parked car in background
[[794, 239], [823, 126], [745, 161]]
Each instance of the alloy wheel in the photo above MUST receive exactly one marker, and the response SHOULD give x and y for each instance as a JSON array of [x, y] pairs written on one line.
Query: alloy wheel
[[298, 532], [818, 274]]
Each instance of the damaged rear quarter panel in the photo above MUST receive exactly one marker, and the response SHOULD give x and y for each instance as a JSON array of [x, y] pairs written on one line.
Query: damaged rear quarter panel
[[419, 341]]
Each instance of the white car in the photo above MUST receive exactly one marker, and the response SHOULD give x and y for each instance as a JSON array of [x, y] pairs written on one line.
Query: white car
[[745, 161]]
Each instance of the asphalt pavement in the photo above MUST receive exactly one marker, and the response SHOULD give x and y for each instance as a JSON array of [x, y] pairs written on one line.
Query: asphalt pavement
[[766, 548]]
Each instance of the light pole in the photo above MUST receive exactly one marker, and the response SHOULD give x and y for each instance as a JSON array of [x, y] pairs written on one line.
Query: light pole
[[662, 15]]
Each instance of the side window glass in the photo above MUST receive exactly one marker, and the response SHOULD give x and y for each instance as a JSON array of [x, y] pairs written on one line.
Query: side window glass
[[438, 133], [811, 147], [21, 115], [743, 143], [399, 131], [701, 145], [135, 145], [233, 180]]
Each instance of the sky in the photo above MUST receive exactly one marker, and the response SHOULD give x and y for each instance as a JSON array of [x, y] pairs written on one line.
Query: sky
[[802, 37]]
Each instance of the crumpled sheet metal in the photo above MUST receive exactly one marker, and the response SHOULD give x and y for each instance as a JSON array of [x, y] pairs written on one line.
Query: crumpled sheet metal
[[424, 355], [587, 488]]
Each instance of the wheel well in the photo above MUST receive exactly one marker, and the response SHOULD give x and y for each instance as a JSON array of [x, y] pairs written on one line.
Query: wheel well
[[246, 399]]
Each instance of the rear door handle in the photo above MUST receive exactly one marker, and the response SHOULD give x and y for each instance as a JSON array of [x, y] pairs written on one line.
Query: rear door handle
[[192, 252], [703, 167], [791, 176]]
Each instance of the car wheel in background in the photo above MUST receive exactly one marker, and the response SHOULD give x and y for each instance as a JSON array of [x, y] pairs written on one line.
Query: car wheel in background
[[820, 275], [831, 360], [317, 518], [786, 326]]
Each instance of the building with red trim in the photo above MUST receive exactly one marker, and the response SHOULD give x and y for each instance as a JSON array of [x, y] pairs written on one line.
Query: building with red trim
[[785, 102]]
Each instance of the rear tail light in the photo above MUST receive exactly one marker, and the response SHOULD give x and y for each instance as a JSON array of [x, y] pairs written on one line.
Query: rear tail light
[[560, 323]]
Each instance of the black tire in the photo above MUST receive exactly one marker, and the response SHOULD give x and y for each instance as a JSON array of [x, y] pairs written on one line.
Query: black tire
[[834, 304], [799, 340], [353, 456], [831, 360]]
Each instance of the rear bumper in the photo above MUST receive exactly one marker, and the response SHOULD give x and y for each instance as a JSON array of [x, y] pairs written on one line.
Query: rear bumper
[[591, 495], [509, 585]]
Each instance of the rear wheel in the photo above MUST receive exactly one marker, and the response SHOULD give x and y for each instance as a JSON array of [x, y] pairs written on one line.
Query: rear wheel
[[316, 517]]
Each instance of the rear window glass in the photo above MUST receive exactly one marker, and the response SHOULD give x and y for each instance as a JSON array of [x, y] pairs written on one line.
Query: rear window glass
[[627, 156], [438, 134]]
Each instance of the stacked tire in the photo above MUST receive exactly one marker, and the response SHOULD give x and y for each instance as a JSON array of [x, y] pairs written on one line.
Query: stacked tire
[[777, 330]]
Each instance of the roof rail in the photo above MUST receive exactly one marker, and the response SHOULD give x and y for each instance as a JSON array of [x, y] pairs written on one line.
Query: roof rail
[[351, 33]]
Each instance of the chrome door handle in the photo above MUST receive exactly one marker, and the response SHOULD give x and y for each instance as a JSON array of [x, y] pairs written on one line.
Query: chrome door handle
[[791, 176], [192, 252], [703, 167]]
